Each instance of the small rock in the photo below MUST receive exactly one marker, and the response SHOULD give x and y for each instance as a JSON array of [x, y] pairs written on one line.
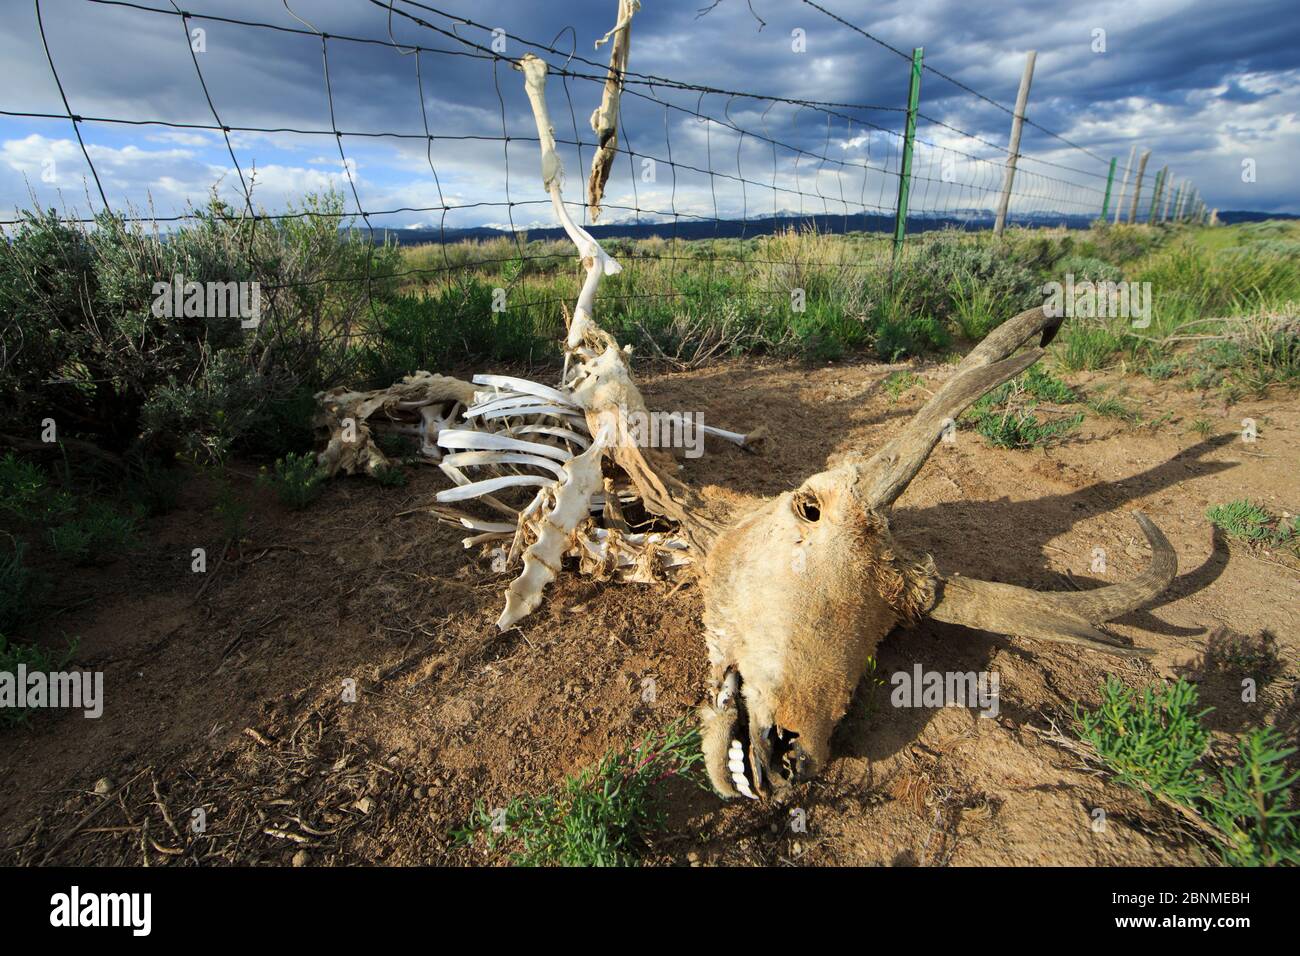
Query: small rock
[[693, 857], [301, 858], [104, 785]]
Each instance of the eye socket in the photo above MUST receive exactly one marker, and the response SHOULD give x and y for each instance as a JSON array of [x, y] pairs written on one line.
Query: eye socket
[[806, 507]]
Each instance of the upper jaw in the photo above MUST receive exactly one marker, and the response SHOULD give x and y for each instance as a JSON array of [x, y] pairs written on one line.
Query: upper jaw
[[755, 764]]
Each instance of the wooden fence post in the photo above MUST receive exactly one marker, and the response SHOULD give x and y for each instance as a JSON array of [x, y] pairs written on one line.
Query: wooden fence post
[[1013, 151], [1155, 195], [1137, 186]]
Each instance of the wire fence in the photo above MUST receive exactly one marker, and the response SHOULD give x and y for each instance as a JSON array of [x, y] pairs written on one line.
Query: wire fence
[[694, 161]]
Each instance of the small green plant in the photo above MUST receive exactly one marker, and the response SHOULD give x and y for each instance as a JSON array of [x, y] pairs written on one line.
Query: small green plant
[[1112, 407], [1153, 741], [230, 509], [1159, 369], [1087, 346], [23, 488], [391, 476], [1042, 385], [900, 383], [1252, 806], [35, 658], [16, 585], [1254, 524], [156, 485], [1006, 416], [297, 480], [597, 817], [1202, 427], [1022, 429], [99, 532], [1152, 738]]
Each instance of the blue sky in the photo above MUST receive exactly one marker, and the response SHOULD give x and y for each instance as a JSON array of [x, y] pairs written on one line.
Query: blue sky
[[1206, 86]]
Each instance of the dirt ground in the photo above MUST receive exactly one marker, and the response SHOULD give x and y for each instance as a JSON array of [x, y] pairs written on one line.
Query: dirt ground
[[229, 701]]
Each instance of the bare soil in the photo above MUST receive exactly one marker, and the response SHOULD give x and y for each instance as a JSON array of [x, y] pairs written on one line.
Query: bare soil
[[230, 701]]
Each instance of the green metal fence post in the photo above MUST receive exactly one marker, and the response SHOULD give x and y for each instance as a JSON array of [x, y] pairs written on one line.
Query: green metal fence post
[[1110, 181], [905, 172]]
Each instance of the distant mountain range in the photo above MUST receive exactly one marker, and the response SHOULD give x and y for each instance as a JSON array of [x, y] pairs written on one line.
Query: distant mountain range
[[973, 220]]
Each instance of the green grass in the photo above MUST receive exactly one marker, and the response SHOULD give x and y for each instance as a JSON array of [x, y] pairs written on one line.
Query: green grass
[[1008, 416], [899, 383], [36, 659], [100, 532], [1087, 345], [597, 817], [1111, 407], [297, 480], [1254, 524], [1154, 742], [23, 488], [17, 584]]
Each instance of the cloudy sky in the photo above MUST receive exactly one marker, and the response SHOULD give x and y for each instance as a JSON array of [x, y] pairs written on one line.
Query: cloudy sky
[[1211, 89]]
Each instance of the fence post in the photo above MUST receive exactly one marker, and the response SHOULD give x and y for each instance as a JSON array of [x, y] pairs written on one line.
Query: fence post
[[905, 172], [1155, 196], [1137, 186], [1178, 198], [1110, 181], [1013, 151], [1169, 196], [1123, 185]]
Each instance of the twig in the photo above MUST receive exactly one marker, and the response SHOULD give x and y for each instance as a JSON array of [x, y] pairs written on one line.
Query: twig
[[90, 815], [215, 571]]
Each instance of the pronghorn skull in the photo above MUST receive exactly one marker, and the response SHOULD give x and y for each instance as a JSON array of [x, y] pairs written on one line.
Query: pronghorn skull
[[798, 591]]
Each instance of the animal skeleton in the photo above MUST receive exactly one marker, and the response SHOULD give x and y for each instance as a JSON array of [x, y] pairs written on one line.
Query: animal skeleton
[[798, 591]]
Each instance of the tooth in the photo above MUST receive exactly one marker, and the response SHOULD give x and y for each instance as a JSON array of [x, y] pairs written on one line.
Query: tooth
[[736, 765]]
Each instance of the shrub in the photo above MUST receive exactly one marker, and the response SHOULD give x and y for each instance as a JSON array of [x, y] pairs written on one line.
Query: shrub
[[16, 585], [951, 273], [100, 532], [1087, 345], [1154, 742], [598, 816], [451, 325], [87, 345], [34, 658], [1088, 269], [297, 480]]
